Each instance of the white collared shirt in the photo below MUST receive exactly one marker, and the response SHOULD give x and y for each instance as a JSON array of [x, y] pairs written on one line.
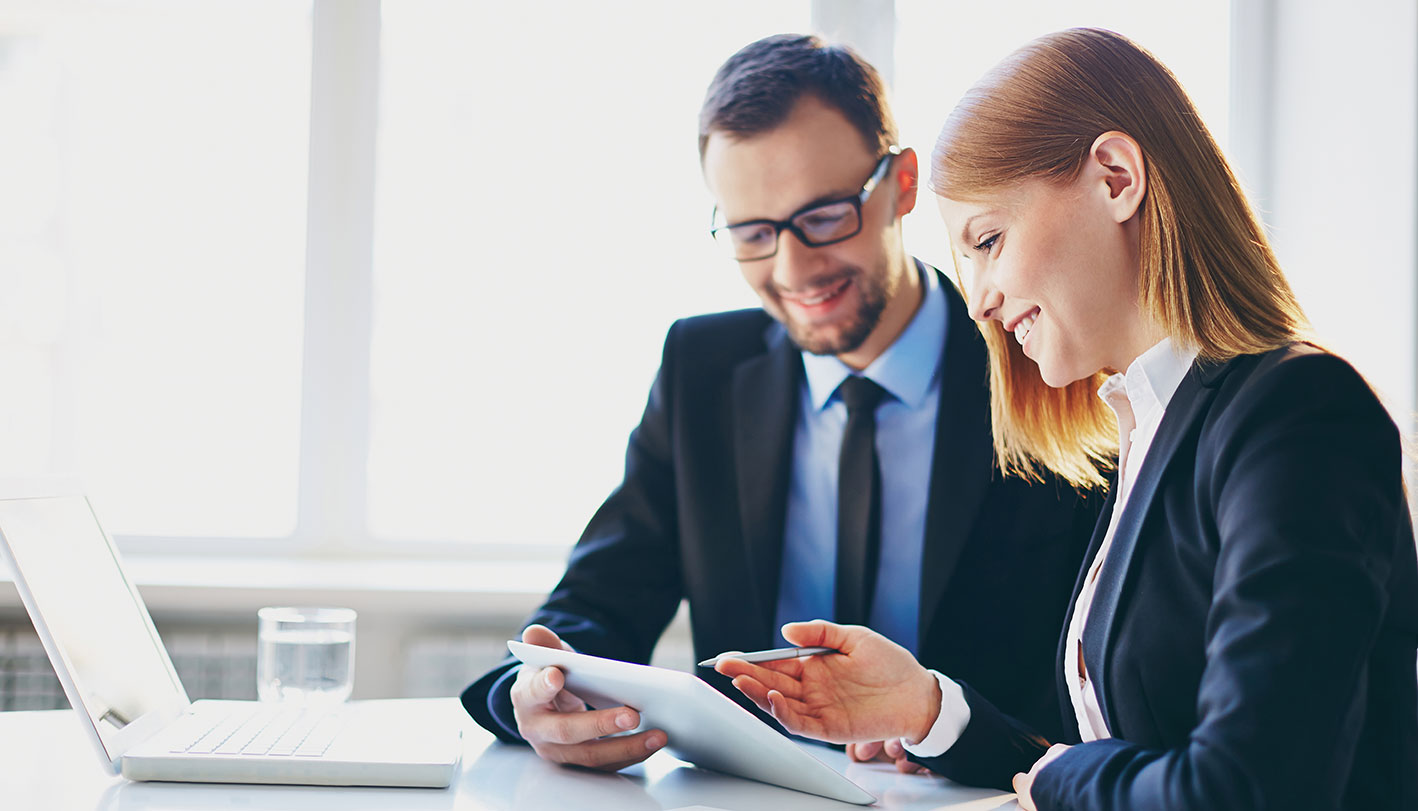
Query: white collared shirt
[[1139, 397]]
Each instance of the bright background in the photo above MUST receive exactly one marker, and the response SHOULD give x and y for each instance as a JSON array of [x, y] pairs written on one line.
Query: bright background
[[335, 279]]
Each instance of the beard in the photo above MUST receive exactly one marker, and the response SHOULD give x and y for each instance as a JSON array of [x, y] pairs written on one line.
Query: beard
[[872, 295]]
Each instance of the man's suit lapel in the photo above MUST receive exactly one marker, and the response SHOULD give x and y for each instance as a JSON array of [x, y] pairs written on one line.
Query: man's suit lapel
[[765, 403], [963, 460], [1184, 414]]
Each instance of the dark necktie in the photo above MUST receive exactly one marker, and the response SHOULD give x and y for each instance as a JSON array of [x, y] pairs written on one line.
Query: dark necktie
[[858, 502]]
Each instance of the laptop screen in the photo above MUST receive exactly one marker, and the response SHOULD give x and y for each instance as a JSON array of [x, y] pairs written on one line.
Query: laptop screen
[[94, 618]]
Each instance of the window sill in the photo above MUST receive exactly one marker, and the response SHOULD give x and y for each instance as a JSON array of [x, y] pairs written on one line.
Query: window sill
[[472, 593]]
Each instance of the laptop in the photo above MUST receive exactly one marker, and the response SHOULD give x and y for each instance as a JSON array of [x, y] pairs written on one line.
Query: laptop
[[121, 683]]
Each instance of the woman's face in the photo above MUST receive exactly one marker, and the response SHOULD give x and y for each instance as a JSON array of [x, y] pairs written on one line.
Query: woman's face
[[1052, 263]]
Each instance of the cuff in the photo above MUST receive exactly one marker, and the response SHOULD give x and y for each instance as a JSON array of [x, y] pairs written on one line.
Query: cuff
[[499, 703], [954, 717]]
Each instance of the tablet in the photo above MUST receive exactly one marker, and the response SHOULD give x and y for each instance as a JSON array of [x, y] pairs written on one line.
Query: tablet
[[704, 726]]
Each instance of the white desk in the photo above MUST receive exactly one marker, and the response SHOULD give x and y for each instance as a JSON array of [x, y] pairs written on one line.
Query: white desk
[[47, 763]]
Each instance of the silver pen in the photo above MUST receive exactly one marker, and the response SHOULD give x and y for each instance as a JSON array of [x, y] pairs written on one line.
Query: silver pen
[[768, 655]]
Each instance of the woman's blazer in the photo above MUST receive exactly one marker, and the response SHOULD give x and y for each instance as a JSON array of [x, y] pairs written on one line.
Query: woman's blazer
[[1254, 634]]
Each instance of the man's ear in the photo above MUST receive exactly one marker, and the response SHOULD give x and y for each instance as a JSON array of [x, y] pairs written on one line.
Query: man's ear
[[906, 173], [1116, 169]]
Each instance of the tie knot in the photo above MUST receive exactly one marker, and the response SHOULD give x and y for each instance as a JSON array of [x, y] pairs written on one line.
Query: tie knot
[[860, 393]]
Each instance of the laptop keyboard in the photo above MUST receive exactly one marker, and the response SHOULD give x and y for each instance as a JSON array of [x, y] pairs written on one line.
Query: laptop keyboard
[[262, 730]]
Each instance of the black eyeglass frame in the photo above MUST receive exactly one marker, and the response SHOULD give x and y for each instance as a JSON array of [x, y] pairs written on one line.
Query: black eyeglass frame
[[779, 226]]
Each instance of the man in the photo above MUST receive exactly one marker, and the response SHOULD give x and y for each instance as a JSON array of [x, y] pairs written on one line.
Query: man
[[731, 495]]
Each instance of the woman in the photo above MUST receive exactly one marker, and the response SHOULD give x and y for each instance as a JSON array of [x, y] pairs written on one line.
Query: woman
[[1244, 632]]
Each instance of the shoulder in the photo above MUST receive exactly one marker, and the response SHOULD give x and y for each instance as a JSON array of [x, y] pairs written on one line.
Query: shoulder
[[726, 337], [1294, 380], [1298, 394]]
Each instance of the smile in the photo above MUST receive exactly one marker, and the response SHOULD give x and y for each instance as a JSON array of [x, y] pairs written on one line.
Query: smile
[[821, 297], [1024, 325]]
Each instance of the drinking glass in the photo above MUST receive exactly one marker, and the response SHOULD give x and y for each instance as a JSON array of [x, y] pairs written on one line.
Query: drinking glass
[[305, 654]]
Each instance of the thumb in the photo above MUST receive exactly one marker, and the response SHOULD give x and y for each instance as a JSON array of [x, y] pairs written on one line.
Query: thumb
[[543, 637], [817, 633]]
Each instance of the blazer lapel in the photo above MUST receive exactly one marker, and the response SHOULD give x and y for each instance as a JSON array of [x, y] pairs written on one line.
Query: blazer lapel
[[963, 460], [1100, 531], [1184, 412], [765, 403]]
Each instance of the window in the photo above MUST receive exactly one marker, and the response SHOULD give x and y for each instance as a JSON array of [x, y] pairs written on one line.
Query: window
[[540, 221], [533, 220], [152, 230], [153, 258]]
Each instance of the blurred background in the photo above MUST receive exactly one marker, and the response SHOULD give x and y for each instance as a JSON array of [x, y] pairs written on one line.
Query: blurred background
[[355, 303]]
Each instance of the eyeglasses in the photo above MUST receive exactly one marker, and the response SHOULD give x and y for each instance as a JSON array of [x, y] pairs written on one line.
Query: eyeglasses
[[815, 226]]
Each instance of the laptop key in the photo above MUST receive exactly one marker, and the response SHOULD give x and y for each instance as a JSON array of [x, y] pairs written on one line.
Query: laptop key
[[254, 724], [293, 737], [190, 729], [208, 743], [319, 738], [270, 733]]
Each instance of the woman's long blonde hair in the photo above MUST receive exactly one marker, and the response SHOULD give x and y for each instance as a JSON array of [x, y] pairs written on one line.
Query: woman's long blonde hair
[[1208, 276]]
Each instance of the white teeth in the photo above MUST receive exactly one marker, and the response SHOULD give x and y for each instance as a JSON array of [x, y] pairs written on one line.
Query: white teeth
[[1021, 330], [823, 296]]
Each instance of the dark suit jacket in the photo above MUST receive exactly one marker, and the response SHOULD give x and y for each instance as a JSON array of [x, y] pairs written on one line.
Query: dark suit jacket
[[700, 515], [1255, 627]]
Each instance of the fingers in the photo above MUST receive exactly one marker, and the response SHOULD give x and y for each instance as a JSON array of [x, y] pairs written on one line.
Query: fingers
[[567, 701], [772, 678], [546, 712], [893, 749], [576, 727], [795, 716], [844, 638], [538, 685], [543, 637], [755, 691], [890, 751], [812, 634], [887, 751], [609, 754], [906, 766], [862, 752]]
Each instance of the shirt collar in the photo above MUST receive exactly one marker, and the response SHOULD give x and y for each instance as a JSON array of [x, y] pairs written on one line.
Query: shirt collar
[[907, 368], [1150, 381]]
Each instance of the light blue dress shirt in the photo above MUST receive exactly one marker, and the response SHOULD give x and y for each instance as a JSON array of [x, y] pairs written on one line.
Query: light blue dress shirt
[[910, 372]]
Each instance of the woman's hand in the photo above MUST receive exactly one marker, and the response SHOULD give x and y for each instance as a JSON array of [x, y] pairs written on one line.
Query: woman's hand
[[1023, 783], [872, 690]]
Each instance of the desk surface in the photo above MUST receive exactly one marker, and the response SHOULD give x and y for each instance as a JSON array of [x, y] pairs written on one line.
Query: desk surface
[[47, 763]]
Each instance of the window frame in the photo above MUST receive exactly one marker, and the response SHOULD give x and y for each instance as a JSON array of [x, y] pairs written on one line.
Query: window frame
[[339, 297]]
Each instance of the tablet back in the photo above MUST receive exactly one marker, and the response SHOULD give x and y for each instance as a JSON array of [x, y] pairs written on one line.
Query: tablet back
[[704, 727]]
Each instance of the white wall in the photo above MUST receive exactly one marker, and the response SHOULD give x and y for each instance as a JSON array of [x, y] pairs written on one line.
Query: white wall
[[1333, 159]]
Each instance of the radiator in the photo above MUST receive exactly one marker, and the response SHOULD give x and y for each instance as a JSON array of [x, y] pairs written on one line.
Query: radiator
[[211, 662], [220, 662]]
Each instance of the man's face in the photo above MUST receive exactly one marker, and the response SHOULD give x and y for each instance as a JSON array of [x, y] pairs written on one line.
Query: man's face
[[832, 298]]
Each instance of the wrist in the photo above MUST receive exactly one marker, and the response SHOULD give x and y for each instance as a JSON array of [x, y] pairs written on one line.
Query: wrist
[[929, 701]]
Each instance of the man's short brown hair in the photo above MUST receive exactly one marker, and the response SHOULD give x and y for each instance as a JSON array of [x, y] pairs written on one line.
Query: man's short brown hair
[[754, 90]]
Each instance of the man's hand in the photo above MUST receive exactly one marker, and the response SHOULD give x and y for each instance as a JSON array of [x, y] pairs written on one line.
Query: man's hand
[[887, 751], [562, 730], [871, 690]]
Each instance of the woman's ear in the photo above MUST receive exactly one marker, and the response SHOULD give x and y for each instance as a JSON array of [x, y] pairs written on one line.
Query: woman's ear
[[906, 171], [1115, 164]]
